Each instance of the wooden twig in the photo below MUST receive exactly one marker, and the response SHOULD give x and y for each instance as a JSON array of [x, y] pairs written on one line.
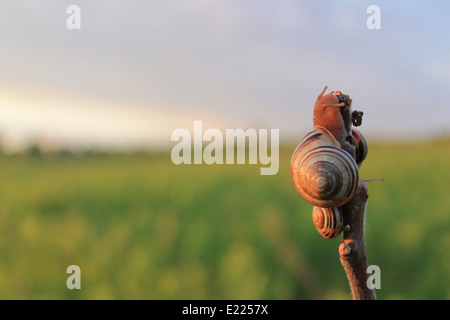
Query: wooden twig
[[352, 249]]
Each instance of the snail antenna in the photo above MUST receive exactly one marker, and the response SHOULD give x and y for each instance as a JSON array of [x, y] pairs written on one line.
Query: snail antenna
[[342, 104], [323, 91]]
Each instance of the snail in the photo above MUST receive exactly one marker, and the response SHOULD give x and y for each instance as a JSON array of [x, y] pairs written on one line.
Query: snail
[[360, 145], [328, 221], [324, 166], [323, 174]]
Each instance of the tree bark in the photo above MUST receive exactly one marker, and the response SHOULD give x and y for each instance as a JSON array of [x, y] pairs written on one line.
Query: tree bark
[[352, 249]]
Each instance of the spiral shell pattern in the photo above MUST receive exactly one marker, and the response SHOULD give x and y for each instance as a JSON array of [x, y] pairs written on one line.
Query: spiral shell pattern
[[323, 174], [328, 221]]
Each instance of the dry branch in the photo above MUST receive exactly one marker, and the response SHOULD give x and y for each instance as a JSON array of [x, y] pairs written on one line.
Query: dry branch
[[352, 249]]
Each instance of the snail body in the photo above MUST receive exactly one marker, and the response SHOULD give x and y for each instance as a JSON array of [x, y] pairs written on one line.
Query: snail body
[[324, 166], [333, 111]]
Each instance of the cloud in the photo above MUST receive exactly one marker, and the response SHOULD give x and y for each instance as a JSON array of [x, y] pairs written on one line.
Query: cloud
[[237, 63]]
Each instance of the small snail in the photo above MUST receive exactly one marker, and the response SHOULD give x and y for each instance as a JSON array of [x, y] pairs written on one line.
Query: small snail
[[328, 221], [324, 166], [361, 146]]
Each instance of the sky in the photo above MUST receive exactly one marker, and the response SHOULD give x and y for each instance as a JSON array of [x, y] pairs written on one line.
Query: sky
[[139, 69]]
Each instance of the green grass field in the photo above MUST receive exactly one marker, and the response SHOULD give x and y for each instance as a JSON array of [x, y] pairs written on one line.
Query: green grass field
[[140, 227]]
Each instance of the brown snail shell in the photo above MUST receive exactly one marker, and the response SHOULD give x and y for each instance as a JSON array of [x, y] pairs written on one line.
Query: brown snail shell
[[328, 221], [323, 174], [361, 146]]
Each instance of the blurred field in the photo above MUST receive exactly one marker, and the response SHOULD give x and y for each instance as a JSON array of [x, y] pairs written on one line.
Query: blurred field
[[140, 227]]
